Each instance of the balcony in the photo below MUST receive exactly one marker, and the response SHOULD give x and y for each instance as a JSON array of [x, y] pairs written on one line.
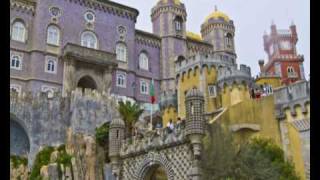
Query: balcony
[[292, 75], [88, 55]]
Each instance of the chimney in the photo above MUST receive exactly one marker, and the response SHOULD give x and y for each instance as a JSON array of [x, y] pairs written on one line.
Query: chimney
[[261, 63]]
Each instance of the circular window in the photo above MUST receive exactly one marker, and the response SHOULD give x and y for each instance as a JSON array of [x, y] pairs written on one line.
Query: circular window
[[122, 30], [89, 16], [55, 11]]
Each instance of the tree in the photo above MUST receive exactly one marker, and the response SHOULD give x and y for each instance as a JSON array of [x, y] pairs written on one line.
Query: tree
[[130, 114], [102, 138], [259, 159]]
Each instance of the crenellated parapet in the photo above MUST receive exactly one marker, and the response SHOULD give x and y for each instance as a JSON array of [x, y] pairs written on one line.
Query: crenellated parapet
[[292, 96], [227, 76], [168, 99], [157, 140], [199, 61], [147, 39], [162, 7], [27, 6]]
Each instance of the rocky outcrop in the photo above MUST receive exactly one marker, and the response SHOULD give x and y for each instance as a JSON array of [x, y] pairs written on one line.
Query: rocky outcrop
[[20, 172]]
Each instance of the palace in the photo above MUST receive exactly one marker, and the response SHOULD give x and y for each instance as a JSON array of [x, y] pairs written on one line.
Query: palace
[[60, 46]]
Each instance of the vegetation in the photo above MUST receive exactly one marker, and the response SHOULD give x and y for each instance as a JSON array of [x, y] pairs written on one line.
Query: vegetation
[[42, 159], [259, 159], [102, 138], [63, 159], [130, 114], [18, 160]]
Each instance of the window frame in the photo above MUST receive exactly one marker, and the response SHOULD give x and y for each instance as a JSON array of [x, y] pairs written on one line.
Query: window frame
[[55, 60], [88, 20], [91, 33], [146, 87], [214, 89], [46, 88], [144, 63], [124, 85], [58, 32], [24, 34], [20, 61], [125, 52]]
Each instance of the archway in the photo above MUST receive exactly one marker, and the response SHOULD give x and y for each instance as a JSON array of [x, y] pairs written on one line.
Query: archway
[[156, 172], [19, 140], [87, 82]]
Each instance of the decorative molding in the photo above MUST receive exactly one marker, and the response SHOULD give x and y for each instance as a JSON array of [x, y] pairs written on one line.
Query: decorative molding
[[27, 6], [237, 127]]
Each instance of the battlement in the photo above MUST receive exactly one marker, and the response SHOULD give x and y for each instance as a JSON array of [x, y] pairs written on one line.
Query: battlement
[[156, 139], [168, 98], [296, 94], [230, 75]]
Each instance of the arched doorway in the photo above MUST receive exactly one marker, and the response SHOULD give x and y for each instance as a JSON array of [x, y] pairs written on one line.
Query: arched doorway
[[156, 172], [19, 140], [87, 82]]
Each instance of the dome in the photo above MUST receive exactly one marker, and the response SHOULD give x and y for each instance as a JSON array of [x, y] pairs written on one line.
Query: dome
[[176, 2], [217, 15], [194, 93], [117, 122]]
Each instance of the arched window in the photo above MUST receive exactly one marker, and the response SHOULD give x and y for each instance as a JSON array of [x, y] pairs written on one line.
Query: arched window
[[178, 23], [18, 31], [121, 52], [89, 40], [143, 61], [50, 66], [53, 35], [228, 40], [16, 62], [143, 87], [290, 69], [121, 80]]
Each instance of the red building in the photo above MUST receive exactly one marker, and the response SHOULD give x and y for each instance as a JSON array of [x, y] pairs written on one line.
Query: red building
[[283, 60]]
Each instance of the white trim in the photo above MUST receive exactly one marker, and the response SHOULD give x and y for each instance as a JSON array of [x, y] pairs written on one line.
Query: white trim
[[16, 36], [54, 59], [124, 85], [88, 20], [144, 61], [121, 52], [146, 87], [45, 88], [88, 45], [20, 55], [214, 89], [16, 87]]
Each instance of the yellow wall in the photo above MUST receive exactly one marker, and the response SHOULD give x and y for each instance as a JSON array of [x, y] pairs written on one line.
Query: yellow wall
[[250, 111], [273, 81], [234, 95], [169, 113]]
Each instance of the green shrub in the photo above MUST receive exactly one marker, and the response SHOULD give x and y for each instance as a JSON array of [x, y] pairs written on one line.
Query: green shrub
[[42, 159], [102, 135], [18, 160]]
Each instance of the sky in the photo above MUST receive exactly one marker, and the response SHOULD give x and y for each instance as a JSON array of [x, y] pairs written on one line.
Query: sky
[[251, 19]]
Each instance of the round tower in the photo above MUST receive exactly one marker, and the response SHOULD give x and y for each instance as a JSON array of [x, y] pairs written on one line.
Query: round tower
[[218, 30], [195, 124], [116, 135]]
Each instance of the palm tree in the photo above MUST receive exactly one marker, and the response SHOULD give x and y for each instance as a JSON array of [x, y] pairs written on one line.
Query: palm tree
[[130, 114]]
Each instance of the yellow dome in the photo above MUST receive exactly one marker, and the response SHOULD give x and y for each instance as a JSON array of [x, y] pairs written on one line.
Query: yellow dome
[[177, 2], [218, 14], [194, 36]]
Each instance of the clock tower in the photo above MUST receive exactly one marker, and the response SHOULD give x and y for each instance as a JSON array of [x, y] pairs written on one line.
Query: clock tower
[[283, 60]]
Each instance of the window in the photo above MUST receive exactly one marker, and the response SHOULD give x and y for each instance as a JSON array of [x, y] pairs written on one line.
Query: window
[[89, 16], [286, 45], [15, 88], [18, 32], [49, 90], [121, 51], [212, 89], [143, 87], [51, 65], [229, 40], [89, 40], [143, 61], [55, 11], [16, 62], [53, 35], [178, 23], [121, 80], [291, 72]]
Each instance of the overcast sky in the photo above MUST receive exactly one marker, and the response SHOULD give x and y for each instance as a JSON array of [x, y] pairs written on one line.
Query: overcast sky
[[251, 19]]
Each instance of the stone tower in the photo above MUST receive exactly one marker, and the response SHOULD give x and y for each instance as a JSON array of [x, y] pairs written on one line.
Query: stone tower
[[195, 128], [169, 22], [218, 30], [116, 136]]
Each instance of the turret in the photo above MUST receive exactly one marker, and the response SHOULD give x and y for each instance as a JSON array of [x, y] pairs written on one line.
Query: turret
[[195, 128], [116, 136], [218, 30], [261, 64]]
